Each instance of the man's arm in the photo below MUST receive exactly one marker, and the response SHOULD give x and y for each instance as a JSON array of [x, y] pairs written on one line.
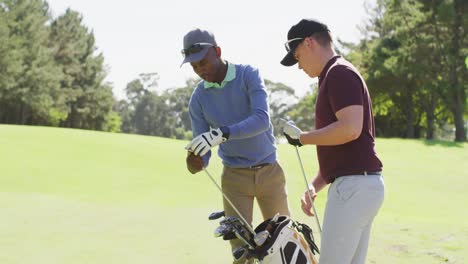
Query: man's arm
[[345, 96], [259, 120], [347, 128], [199, 124], [317, 184]]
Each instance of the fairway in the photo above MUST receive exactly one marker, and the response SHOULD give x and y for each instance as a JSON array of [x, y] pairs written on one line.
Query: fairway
[[75, 196]]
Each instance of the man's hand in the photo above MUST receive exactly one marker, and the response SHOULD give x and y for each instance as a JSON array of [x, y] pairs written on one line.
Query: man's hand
[[291, 132], [306, 203], [203, 142], [194, 163]]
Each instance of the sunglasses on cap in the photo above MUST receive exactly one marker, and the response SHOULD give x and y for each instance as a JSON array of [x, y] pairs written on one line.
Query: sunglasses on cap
[[195, 48], [287, 44]]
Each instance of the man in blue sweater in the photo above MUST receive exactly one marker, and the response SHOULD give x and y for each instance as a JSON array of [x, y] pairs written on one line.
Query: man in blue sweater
[[229, 108]]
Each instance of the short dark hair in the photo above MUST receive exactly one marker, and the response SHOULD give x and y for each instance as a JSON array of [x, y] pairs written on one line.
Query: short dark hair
[[324, 38]]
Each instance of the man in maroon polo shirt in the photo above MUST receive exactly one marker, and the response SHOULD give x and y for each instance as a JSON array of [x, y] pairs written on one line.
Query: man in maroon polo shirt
[[344, 135]]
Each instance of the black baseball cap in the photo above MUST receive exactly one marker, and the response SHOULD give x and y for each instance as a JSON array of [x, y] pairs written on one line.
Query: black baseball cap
[[297, 33]]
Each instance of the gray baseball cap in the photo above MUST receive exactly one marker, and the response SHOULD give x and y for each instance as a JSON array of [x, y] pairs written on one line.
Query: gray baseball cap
[[196, 45]]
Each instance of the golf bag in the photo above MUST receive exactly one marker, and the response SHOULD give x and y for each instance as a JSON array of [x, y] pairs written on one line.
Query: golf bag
[[278, 240], [291, 243]]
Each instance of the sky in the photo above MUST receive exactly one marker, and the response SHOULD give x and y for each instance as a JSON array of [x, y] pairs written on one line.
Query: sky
[[145, 36]]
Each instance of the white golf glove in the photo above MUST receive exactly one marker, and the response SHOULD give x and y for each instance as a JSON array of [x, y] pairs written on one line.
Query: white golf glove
[[290, 128], [201, 144], [292, 132]]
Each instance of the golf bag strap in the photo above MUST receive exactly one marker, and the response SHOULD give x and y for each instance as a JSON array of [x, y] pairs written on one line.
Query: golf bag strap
[[308, 235]]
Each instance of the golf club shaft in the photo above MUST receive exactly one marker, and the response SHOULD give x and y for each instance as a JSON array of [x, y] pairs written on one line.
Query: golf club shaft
[[307, 186], [229, 201]]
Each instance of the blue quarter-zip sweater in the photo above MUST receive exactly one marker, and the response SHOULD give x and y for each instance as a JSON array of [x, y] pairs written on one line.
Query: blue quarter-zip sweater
[[241, 105]]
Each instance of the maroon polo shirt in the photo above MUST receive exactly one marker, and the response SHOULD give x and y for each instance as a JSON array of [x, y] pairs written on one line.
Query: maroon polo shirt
[[341, 85]]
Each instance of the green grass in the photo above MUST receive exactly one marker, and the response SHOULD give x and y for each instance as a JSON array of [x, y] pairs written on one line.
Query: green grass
[[75, 196]]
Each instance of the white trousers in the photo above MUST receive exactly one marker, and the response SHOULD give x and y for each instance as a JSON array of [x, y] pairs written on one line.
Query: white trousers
[[353, 203]]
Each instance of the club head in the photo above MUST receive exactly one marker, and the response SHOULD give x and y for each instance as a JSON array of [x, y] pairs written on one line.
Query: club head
[[229, 236], [224, 230], [261, 237], [216, 215], [220, 231], [239, 252], [229, 220], [245, 236]]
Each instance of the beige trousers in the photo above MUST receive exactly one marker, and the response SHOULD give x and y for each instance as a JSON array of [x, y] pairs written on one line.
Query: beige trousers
[[267, 185]]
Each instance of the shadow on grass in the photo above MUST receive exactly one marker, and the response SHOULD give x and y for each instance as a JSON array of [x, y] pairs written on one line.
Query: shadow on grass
[[444, 143]]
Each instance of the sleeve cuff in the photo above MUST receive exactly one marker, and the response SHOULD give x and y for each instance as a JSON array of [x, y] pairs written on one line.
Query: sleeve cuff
[[226, 132], [234, 132]]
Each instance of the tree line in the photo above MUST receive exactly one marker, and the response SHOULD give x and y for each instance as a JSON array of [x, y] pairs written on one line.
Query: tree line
[[413, 56], [166, 113], [50, 71]]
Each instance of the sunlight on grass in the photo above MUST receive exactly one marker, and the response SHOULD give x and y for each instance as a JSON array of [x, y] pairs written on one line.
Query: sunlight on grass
[[75, 196]]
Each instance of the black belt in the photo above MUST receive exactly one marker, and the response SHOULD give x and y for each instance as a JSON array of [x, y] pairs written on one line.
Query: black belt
[[365, 173], [258, 166]]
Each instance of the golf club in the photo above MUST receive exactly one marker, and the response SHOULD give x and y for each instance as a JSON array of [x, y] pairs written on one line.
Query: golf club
[[239, 252], [222, 230], [216, 215], [229, 219], [261, 237], [307, 186], [244, 237], [229, 201], [229, 236]]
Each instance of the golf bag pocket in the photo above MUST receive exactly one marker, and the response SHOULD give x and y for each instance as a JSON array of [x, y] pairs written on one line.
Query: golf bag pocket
[[290, 243]]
